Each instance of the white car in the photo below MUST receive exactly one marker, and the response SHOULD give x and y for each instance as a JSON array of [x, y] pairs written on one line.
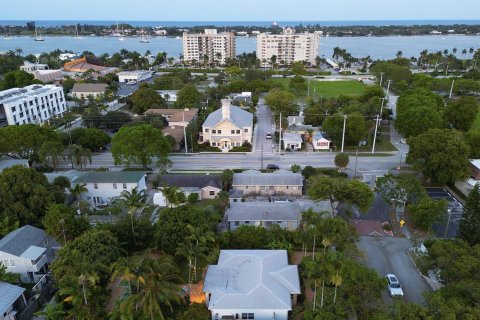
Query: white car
[[269, 135], [394, 287], [131, 82]]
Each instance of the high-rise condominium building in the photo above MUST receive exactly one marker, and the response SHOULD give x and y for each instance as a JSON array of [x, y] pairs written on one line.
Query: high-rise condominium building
[[33, 104], [288, 47], [209, 47]]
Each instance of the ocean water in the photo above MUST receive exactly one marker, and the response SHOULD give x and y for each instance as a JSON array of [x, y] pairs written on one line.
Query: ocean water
[[377, 47], [53, 23]]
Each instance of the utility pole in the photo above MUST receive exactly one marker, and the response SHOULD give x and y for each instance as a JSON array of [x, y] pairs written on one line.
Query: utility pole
[[381, 108], [280, 134], [343, 135], [449, 211], [381, 78], [308, 89], [375, 135], [388, 87], [451, 90], [185, 133], [356, 160]]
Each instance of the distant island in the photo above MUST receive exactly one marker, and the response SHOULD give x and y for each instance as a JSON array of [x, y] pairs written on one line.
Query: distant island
[[127, 29]]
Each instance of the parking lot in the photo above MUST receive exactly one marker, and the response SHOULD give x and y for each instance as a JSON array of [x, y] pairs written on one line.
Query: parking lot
[[454, 214]]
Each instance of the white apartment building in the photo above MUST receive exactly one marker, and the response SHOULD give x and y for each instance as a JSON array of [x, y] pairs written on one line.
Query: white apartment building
[[33, 104], [216, 46], [288, 47]]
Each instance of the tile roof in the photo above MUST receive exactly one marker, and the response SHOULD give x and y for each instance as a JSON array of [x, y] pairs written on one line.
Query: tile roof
[[175, 131], [8, 295], [252, 280], [277, 178], [175, 115], [18, 241], [111, 177], [264, 211], [196, 181], [89, 87]]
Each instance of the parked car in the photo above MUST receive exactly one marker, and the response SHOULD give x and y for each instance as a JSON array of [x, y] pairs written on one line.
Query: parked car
[[394, 287], [131, 82], [272, 167], [269, 135]]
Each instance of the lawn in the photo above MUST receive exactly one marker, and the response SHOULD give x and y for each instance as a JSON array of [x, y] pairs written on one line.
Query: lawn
[[328, 89]]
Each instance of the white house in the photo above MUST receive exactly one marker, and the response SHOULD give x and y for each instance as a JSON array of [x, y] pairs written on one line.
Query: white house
[[12, 301], [319, 142], [136, 76], [228, 127], [206, 187], [280, 182], [85, 90], [265, 214], [295, 120], [251, 284], [32, 104], [103, 187], [292, 141], [30, 67], [28, 251]]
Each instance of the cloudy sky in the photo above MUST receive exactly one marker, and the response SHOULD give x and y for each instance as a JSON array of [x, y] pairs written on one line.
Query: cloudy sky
[[239, 10]]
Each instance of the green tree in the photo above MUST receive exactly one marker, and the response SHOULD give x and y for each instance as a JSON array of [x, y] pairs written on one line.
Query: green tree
[[188, 97], [427, 212], [227, 178], [77, 190], [52, 312], [18, 79], [298, 68], [333, 126], [139, 144], [195, 311], [295, 168], [93, 139], [440, 154], [24, 202], [472, 138], [8, 277], [356, 129], [157, 290], [281, 101], [52, 153], [341, 160], [173, 195], [340, 190], [403, 187], [469, 226], [144, 99], [79, 156], [133, 200], [61, 222], [462, 113]]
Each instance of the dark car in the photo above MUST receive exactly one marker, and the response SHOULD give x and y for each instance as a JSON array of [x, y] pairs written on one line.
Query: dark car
[[272, 167]]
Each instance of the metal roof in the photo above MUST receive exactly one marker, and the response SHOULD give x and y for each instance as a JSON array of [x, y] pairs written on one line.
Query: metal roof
[[111, 177], [264, 211], [186, 181], [238, 117], [257, 178], [252, 279], [8, 295]]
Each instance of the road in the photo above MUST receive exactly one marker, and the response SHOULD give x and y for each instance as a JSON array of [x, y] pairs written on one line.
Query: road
[[263, 125], [389, 255]]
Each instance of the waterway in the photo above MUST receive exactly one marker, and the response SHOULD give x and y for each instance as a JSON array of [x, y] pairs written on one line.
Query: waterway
[[376, 47]]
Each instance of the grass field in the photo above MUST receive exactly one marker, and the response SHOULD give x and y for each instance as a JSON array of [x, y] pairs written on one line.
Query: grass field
[[328, 89]]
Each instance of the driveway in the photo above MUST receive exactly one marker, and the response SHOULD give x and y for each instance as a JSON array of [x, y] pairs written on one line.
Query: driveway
[[389, 255], [263, 125]]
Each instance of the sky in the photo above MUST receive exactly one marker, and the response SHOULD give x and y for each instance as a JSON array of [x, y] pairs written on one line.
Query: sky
[[239, 10]]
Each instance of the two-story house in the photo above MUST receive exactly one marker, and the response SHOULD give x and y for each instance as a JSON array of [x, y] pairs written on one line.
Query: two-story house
[[103, 187], [12, 301], [28, 251], [251, 284], [228, 127], [280, 182]]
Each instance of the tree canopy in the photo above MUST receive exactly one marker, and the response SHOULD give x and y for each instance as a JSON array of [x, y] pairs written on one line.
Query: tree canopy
[[146, 98], [60, 221], [281, 101], [188, 97], [461, 114], [469, 227]]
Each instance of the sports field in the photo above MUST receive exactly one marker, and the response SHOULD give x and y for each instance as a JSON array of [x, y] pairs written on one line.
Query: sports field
[[328, 89]]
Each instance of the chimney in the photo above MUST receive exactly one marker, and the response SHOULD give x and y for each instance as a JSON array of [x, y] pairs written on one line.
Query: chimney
[[225, 109]]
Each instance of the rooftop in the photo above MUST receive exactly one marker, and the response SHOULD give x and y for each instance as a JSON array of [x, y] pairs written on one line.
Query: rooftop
[[89, 87], [252, 279], [197, 181], [14, 94], [318, 135], [292, 137], [237, 116], [475, 162], [19, 241], [8, 295], [264, 211], [175, 115], [277, 178], [111, 177]]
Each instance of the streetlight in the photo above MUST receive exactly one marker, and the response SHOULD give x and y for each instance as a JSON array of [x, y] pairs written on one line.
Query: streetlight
[[449, 212], [375, 135], [343, 135]]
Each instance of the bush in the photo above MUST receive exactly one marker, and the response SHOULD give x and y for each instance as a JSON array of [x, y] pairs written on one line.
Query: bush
[[206, 147], [246, 147]]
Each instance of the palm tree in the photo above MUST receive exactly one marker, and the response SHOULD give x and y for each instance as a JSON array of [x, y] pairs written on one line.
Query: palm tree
[[399, 53], [202, 243], [18, 51], [78, 189], [172, 195], [79, 156], [125, 268], [83, 279], [133, 200], [52, 312], [157, 288], [313, 272], [336, 280], [52, 152], [187, 251]]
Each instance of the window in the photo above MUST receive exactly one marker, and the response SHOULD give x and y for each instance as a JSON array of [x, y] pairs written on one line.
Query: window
[[212, 193], [245, 130], [262, 187], [114, 186], [247, 222], [271, 188], [12, 263], [214, 131], [95, 185], [238, 131], [233, 131], [6, 263], [219, 131], [237, 223], [248, 316], [214, 144], [206, 129], [124, 186]]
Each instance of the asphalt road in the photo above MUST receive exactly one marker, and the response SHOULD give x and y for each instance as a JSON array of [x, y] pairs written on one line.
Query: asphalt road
[[263, 125], [389, 255]]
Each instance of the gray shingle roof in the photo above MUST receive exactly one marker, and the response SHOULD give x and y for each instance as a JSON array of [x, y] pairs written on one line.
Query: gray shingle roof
[[264, 211], [196, 181], [278, 178], [8, 295], [239, 117], [111, 177], [18, 241], [89, 87]]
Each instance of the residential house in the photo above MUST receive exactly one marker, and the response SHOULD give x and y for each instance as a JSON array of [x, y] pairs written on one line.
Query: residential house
[[295, 120], [176, 117], [178, 135], [12, 301], [285, 214], [301, 128], [30, 67], [85, 90], [228, 127], [466, 185], [235, 196], [251, 284], [319, 142], [206, 186], [103, 187], [135, 76], [28, 251], [475, 168], [292, 141], [41, 72], [280, 182]]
